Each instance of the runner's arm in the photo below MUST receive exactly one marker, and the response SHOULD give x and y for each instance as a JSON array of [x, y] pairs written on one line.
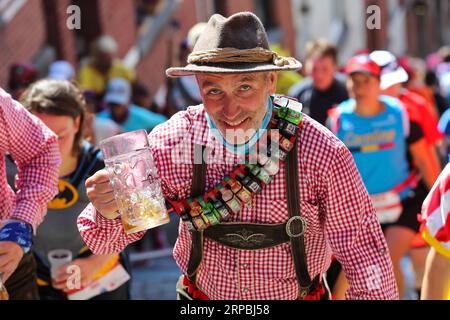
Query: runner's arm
[[354, 233], [424, 155]]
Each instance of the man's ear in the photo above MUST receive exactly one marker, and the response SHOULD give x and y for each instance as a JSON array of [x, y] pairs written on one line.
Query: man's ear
[[272, 78]]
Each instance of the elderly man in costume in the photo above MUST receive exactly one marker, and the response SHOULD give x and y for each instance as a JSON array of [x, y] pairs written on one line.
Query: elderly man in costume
[[265, 194]]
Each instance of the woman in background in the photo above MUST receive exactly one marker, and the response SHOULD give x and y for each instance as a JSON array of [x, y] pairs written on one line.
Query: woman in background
[[61, 106]]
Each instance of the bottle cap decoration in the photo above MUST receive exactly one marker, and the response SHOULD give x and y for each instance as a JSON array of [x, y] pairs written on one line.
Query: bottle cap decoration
[[246, 181]]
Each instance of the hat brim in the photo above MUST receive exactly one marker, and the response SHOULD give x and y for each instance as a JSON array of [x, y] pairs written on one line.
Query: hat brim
[[192, 69], [395, 77], [60, 76], [363, 71], [116, 98]]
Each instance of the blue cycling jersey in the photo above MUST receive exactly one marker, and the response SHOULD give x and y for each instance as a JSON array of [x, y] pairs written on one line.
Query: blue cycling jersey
[[378, 144]]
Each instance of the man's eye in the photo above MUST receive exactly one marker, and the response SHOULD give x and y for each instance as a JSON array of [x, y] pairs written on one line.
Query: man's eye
[[245, 87], [214, 92]]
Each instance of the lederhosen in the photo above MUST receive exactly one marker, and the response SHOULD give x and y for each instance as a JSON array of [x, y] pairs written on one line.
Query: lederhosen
[[275, 234]]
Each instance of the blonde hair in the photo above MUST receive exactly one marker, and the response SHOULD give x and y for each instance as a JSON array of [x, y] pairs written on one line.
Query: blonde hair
[[321, 48]]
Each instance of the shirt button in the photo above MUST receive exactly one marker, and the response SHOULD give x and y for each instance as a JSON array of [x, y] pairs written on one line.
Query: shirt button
[[382, 250], [246, 290], [245, 266]]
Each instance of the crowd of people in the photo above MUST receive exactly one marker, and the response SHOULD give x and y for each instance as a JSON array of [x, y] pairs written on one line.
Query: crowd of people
[[391, 113], [82, 108]]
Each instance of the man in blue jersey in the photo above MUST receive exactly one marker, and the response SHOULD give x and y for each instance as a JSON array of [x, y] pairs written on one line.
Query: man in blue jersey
[[129, 116], [381, 137]]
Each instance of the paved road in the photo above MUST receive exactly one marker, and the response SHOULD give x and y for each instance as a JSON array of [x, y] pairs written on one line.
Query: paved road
[[157, 280]]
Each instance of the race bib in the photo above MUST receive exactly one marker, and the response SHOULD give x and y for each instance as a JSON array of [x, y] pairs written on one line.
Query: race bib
[[388, 205]]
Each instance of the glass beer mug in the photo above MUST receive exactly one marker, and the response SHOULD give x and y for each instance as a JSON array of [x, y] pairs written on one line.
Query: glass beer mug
[[134, 178]]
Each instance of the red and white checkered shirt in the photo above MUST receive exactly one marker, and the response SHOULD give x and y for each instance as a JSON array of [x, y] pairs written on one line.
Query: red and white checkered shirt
[[341, 220], [35, 150]]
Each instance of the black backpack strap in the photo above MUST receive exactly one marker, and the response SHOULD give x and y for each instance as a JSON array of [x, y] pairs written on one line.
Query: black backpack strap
[[198, 188], [90, 159], [296, 224]]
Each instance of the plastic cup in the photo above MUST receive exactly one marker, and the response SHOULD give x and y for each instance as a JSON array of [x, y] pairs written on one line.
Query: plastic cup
[[58, 258]]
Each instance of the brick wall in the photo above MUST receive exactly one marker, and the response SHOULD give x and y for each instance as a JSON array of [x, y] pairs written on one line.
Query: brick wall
[[59, 36], [282, 11], [151, 69], [117, 18], [377, 39], [21, 38], [234, 6]]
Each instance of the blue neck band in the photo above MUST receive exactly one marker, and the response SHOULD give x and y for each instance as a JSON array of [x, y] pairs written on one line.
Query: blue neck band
[[244, 147]]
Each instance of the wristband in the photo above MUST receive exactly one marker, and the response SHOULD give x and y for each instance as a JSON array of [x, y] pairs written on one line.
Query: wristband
[[18, 232]]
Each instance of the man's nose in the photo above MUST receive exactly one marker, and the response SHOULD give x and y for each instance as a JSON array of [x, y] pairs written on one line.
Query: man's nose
[[231, 110]]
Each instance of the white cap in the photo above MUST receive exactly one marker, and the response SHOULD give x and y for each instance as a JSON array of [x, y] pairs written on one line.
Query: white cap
[[118, 91], [61, 70], [391, 72], [105, 44], [195, 33]]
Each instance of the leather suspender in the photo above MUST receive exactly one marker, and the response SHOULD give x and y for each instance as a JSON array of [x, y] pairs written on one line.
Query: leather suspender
[[294, 228], [297, 240], [198, 187]]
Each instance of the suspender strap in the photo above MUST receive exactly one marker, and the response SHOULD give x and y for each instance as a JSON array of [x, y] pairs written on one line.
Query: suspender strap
[[198, 188], [297, 226]]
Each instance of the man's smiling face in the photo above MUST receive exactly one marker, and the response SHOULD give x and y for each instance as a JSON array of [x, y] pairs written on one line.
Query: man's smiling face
[[237, 102]]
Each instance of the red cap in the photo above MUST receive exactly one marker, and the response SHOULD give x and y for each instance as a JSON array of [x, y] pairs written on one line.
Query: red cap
[[21, 75], [363, 64], [405, 64]]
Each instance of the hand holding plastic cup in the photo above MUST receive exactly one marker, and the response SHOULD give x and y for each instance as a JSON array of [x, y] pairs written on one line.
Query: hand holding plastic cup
[[134, 178], [3, 292], [58, 258]]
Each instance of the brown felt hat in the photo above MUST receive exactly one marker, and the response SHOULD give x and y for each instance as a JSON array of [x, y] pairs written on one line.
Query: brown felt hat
[[237, 44]]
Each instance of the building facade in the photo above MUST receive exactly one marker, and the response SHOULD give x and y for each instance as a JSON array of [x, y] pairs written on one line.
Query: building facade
[[148, 32]]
